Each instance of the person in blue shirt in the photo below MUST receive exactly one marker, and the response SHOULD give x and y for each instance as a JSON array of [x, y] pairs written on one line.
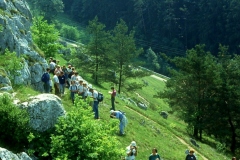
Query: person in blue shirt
[[122, 118], [46, 84], [154, 155]]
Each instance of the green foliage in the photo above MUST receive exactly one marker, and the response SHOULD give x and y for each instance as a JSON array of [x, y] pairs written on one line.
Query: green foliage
[[1, 28], [11, 63], [14, 123], [124, 50], [39, 143], [70, 32], [78, 136], [45, 36], [221, 147], [131, 87], [48, 8], [152, 60], [98, 49]]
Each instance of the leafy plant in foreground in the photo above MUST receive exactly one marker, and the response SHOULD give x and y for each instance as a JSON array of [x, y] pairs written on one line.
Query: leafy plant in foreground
[[79, 136], [13, 123]]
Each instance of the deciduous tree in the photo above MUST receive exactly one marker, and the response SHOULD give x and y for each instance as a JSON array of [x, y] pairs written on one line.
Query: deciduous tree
[[45, 36]]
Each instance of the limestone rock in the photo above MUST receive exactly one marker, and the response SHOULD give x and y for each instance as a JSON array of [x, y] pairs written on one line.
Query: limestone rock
[[15, 23], [142, 106], [7, 155], [5, 83], [44, 110]]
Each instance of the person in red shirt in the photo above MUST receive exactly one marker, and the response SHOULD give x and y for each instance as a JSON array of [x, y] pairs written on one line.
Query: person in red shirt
[[113, 95]]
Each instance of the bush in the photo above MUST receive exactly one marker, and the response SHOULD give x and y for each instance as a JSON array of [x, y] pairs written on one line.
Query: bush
[[14, 123], [70, 32], [79, 136]]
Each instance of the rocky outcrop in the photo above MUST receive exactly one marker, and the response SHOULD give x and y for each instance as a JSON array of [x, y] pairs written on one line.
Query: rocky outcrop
[[7, 155], [5, 83], [15, 22], [44, 110]]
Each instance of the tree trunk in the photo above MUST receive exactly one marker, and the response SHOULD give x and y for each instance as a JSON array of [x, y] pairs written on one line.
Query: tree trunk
[[120, 79]]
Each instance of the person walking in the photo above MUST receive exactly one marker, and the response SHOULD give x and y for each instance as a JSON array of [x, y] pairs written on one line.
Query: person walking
[[113, 95], [154, 155], [122, 118]]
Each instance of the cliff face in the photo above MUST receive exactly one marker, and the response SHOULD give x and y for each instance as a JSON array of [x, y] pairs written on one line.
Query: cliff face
[[15, 23]]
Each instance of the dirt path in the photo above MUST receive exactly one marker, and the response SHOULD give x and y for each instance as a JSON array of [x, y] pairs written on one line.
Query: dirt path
[[180, 139], [159, 78]]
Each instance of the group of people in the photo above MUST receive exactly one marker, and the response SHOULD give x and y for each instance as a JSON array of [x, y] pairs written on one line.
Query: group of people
[[68, 77], [132, 151]]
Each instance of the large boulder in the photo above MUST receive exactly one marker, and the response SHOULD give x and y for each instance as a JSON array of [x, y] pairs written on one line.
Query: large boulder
[[44, 110], [7, 155]]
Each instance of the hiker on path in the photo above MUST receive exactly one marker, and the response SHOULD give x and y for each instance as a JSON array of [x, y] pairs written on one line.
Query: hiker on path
[[122, 118]]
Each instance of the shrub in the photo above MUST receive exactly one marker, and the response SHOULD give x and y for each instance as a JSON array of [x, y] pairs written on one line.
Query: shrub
[[70, 32], [79, 136], [14, 123]]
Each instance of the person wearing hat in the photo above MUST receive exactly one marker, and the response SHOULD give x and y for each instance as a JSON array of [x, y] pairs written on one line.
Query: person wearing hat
[[191, 155], [122, 118], [154, 155], [131, 151], [58, 70]]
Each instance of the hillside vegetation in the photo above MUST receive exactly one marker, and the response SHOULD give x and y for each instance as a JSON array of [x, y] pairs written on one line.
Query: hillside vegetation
[[148, 128]]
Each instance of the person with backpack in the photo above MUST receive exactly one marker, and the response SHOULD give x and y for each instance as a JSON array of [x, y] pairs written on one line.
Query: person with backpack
[[46, 81], [154, 155], [122, 118], [95, 102]]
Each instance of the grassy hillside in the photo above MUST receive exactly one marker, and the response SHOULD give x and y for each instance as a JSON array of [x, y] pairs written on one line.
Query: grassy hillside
[[147, 127]]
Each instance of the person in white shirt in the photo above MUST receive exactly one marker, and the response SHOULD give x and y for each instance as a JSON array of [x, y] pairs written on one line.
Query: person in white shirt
[[95, 102], [131, 151], [85, 90], [56, 84], [80, 89], [52, 66]]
